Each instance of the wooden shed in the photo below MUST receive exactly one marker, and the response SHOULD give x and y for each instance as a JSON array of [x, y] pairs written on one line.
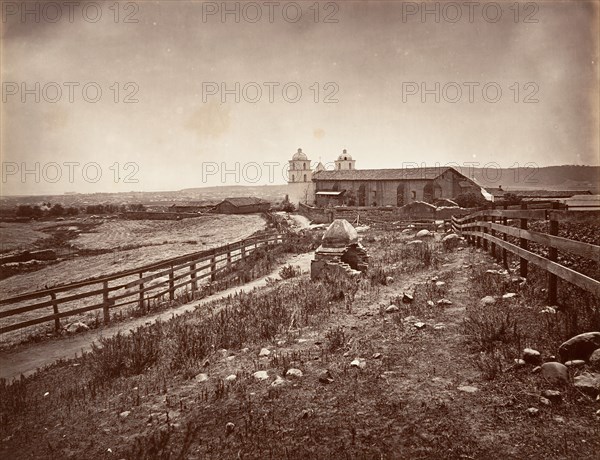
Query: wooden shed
[[242, 205]]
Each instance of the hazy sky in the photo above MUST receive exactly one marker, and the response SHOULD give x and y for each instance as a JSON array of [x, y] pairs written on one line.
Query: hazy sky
[[374, 61]]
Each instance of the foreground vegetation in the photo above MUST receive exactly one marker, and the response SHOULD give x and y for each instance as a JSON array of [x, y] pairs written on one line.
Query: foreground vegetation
[[432, 377]]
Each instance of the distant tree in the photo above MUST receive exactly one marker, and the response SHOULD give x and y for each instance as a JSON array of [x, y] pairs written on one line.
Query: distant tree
[[470, 200], [57, 210], [72, 211], [287, 205]]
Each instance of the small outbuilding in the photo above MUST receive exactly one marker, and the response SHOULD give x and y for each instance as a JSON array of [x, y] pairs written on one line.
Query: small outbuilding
[[242, 205]]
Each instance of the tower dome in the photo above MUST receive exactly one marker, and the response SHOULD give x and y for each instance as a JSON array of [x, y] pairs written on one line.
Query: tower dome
[[299, 155], [345, 156]]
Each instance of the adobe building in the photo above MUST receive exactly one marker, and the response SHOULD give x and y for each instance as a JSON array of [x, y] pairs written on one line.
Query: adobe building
[[347, 186], [242, 205]]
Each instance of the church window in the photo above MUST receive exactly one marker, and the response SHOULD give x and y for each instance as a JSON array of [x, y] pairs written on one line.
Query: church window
[[305, 178]]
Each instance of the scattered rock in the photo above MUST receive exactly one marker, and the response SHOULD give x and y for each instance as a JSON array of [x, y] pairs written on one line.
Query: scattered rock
[[245, 350], [439, 326], [545, 401], [392, 309], [389, 280], [440, 283], [280, 343], [419, 325], [556, 373], [359, 363], [201, 378], [519, 362], [125, 414], [575, 363], [279, 381], [231, 378], [424, 234], [509, 295], [531, 356], [579, 347], [533, 412], [261, 375], [450, 237], [294, 373], [468, 389], [264, 352], [595, 360], [229, 427], [413, 242], [487, 300], [588, 383], [410, 319], [407, 297], [444, 302], [430, 303], [306, 413], [77, 326], [536, 369], [548, 310], [552, 395], [325, 376], [376, 355]]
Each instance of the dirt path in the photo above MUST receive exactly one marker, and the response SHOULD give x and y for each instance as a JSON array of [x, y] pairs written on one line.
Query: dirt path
[[26, 360]]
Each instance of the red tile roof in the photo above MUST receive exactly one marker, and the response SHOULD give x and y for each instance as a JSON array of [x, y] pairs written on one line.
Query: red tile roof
[[428, 173]]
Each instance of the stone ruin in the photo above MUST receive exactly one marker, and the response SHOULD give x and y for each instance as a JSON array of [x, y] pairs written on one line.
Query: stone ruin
[[340, 251]]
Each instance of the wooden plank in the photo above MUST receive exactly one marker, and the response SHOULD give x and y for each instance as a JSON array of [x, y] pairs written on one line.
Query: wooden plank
[[45, 319], [579, 248], [575, 216], [529, 214], [47, 303], [124, 274], [565, 273]]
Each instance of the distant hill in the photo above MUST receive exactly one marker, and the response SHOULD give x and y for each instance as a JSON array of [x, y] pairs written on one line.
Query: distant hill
[[566, 177]]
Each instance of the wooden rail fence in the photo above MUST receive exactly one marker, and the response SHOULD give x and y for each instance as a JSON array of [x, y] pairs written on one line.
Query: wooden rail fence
[[489, 229], [137, 285]]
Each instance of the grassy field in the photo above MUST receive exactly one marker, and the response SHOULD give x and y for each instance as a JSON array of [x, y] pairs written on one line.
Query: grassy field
[[430, 380]]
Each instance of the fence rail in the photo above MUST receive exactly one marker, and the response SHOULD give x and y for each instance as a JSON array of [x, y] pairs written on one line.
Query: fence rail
[[482, 229], [131, 286]]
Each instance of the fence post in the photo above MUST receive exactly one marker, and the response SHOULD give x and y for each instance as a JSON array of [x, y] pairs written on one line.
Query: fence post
[[105, 303], [213, 267], [553, 256], [523, 244], [193, 278], [477, 229], [141, 295], [485, 231], [505, 238], [171, 285], [55, 309], [228, 255], [493, 232]]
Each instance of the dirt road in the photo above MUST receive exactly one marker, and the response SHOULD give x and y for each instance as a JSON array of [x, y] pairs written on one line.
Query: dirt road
[[25, 360]]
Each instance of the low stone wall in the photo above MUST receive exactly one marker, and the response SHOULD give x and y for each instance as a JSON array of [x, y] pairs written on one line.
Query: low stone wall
[[410, 212], [44, 254]]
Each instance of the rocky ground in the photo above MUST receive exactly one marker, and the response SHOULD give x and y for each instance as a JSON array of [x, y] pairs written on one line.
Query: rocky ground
[[402, 368]]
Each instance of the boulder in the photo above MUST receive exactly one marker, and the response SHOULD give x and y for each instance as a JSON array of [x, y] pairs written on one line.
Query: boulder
[[424, 234], [450, 237], [579, 347], [264, 352], [414, 242], [531, 356], [261, 375], [552, 395], [294, 373], [325, 376], [555, 373], [595, 360], [588, 383], [487, 300], [392, 309]]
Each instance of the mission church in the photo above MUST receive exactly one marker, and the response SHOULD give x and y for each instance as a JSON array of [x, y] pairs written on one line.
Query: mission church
[[347, 186]]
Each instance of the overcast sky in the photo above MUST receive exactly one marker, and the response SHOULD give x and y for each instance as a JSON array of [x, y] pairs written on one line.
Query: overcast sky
[[370, 62]]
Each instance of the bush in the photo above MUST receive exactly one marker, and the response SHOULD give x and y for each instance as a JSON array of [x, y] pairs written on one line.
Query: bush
[[289, 271], [470, 200]]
